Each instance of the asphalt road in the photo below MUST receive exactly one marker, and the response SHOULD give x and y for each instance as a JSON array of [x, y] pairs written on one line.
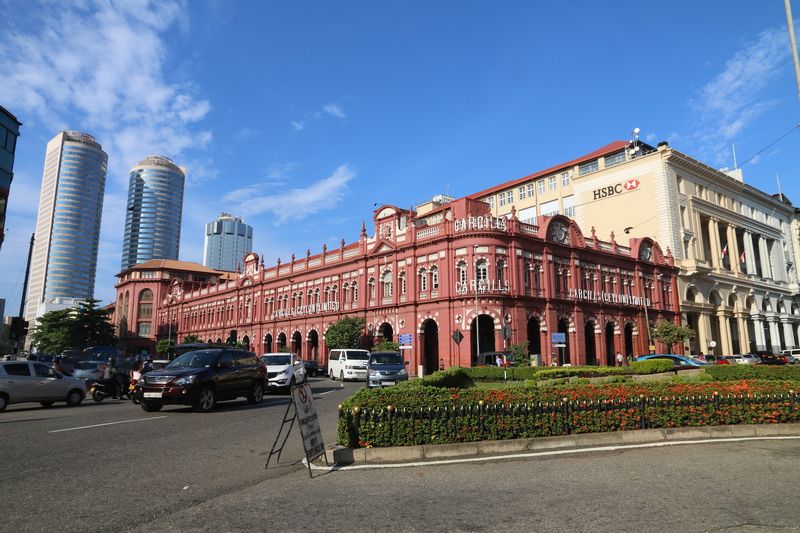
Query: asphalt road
[[180, 471], [58, 474]]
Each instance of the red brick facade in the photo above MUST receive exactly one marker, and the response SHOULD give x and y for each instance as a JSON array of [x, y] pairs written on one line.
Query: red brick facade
[[417, 275]]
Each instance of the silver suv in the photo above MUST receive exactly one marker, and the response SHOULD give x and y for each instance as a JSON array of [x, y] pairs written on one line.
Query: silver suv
[[31, 381]]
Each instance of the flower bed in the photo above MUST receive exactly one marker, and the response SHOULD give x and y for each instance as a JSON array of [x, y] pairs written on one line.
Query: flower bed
[[418, 414], [739, 372]]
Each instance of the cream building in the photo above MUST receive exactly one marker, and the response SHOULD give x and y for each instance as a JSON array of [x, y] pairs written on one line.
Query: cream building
[[733, 243]]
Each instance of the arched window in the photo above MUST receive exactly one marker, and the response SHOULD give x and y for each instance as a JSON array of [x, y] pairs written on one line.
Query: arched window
[[386, 281], [316, 296], [402, 279], [371, 287], [481, 271], [346, 292], [526, 276], [327, 294], [355, 293], [462, 272], [423, 280], [335, 293], [434, 278], [501, 272]]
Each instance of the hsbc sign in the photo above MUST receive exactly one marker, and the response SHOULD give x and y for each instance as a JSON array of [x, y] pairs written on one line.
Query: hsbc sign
[[619, 188]]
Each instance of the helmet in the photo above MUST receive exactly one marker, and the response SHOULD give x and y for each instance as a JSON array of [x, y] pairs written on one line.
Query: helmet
[[57, 358]]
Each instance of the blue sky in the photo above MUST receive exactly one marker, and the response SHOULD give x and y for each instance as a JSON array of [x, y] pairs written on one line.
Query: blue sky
[[299, 116]]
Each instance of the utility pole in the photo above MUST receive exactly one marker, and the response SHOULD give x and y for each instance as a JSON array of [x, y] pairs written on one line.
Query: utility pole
[[793, 42]]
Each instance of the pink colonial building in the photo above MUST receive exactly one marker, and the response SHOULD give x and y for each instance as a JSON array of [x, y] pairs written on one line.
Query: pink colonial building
[[456, 279]]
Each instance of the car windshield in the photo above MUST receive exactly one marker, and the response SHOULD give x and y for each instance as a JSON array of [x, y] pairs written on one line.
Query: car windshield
[[386, 359], [278, 359], [358, 356], [86, 365], [197, 359]]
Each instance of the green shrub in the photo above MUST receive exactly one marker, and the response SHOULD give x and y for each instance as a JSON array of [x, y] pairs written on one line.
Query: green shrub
[[423, 414], [738, 372], [454, 377], [651, 366], [496, 373]]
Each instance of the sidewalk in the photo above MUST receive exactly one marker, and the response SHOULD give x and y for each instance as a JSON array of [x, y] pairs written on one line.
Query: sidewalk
[[497, 448]]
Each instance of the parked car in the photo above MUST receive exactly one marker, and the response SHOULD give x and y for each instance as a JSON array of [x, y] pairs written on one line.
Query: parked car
[[202, 378], [313, 368], [89, 370], [680, 361], [746, 359], [769, 358], [283, 370], [714, 359], [348, 364], [32, 381], [792, 356], [386, 368]]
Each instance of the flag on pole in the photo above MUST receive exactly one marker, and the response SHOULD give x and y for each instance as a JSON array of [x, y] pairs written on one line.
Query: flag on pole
[[741, 257], [725, 251]]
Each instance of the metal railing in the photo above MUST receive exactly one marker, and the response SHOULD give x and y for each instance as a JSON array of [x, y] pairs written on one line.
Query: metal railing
[[390, 426]]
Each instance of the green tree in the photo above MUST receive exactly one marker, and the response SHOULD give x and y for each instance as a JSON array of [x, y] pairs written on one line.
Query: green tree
[[163, 346], [191, 339], [284, 349], [670, 333], [93, 325], [520, 352], [345, 333], [386, 346], [55, 332]]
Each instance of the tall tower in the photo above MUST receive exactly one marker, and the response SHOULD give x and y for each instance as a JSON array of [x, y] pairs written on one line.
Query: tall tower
[[227, 241], [68, 226], [155, 205]]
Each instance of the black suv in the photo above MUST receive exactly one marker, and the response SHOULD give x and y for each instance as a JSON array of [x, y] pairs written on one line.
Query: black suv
[[202, 378]]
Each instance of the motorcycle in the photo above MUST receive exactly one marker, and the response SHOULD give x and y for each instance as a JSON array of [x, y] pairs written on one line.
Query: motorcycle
[[101, 389], [131, 395]]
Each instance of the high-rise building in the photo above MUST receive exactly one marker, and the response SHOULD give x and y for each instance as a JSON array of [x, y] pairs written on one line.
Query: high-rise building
[[68, 226], [155, 205], [227, 241], [9, 131]]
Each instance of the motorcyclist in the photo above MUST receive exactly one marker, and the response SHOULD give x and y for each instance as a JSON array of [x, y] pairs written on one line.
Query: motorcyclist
[[118, 381], [147, 366], [57, 365]]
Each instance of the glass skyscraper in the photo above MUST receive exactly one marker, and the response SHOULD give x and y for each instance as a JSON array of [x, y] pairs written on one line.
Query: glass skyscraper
[[155, 205], [68, 226], [227, 241]]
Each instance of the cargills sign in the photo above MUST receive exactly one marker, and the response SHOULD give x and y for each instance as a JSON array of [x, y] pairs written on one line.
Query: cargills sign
[[619, 188], [306, 310], [484, 286], [608, 297], [484, 222]]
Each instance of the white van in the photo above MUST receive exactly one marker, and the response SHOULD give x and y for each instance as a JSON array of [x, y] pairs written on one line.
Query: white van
[[792, 356], [347, 364]]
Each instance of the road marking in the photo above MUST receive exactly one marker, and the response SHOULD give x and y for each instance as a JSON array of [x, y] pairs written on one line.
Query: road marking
[[327, 392], [546, 453], [108, 424]]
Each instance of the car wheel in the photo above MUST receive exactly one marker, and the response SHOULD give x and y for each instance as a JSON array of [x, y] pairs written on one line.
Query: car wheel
[[258, 393], [205, 401], [47, 404], [151, 407], [3, 402], [74, 398]]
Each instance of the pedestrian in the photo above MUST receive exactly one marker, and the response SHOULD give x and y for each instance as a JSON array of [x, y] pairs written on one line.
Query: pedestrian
[[499, 361], [619, 359], [441, 364]]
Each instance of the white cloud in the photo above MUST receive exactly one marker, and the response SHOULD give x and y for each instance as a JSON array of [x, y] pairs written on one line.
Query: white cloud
[[294, 204], [733, 100], [100, 66], [333, 109]]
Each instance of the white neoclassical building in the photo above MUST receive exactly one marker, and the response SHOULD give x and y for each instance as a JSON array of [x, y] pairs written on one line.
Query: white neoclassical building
[[737, 246]]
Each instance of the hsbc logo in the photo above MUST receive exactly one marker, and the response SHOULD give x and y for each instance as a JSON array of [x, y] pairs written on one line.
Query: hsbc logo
[[619, 188]]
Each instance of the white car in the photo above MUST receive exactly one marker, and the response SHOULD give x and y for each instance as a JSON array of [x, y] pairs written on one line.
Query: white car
[[283, 370], [31, 381]]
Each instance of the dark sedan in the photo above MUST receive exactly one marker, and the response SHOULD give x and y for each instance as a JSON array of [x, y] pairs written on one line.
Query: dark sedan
[[313, 368]]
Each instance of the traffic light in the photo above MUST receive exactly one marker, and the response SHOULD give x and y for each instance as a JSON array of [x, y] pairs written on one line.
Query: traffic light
[[18, 328]]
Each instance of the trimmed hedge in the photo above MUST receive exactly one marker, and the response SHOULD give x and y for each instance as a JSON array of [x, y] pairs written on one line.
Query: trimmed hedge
[[496, 373], [641, 367], [738, 372], [413, 414], [453, 377]]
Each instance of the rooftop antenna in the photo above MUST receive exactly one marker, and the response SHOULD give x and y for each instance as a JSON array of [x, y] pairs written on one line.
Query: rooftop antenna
[[778, 179], [635, 148], [735, 164]]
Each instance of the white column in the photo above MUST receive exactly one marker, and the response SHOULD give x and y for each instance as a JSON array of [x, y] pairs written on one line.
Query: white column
[[726, 343], [749, 253], [704, 330], [788, 333], [716, 250], [733, 249], [776, 336], [779, 261], [761, 341], [766, 270]]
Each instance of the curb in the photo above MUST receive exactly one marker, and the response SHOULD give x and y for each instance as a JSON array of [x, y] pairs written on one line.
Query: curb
[[341, 456]]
